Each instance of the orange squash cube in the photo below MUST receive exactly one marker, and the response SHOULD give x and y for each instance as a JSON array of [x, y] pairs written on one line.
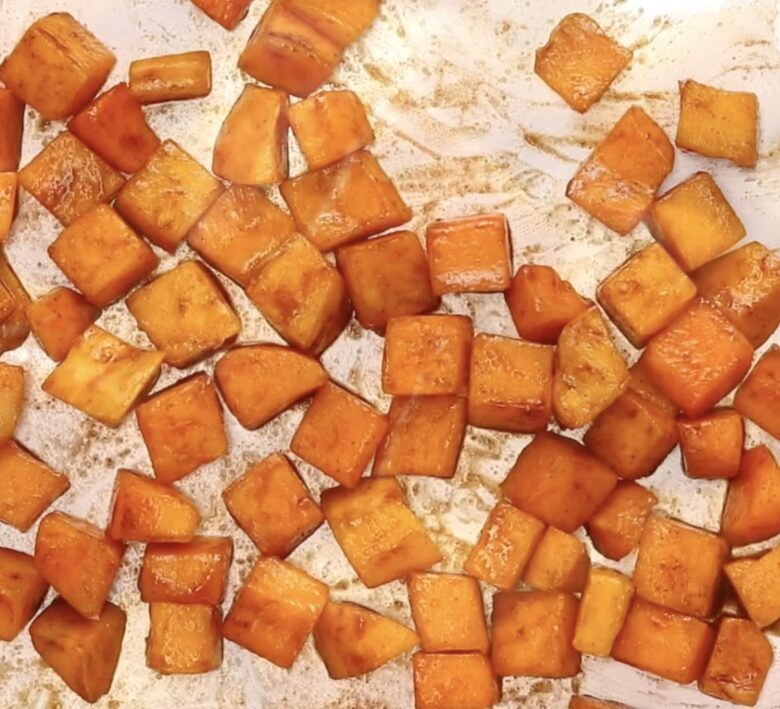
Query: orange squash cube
[[58, 318], [343, 22], [182, 428], [387, 278], [69, 179], [167, 196], [640, 382], [718, 123], [378, 533], [424, 437], [603, 609], [427, 355], [272, 505], [353, 640], [758, 399], [184, 639], [11, 399], [695, 222], [11, 130], [171, 77], [227, 12], [186, 573], [559, 563], [345, 202], [9, 199], [454, 681], [579, 62], [22, 590], [755, 581], [78, 560], [557, 480], [15, 328], [275, 611], [712, 444], [57, 67]]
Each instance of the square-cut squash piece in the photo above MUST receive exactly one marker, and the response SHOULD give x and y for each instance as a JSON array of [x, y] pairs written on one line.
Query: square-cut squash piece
[[559, 563], [22, 590], [272, 505], [603, 609], [756, 581], [712, 445], [171, 77], [759, 396], [15, 328], [184, 639], [58, 318], [343, 21], [11, 399], [227, 12], [11, 130], [57, 67], [378, 533], [454, 681], [9, 202], [580, 61]]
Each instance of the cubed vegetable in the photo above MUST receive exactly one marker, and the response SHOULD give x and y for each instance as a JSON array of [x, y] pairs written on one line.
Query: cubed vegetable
[[11, 399], [758, 399], [343, 22], [559, 563], [22, 590], [58, 318], [184, 639], [15, 328], [712, 444], [11, 130], [9, 202], [172, 77], [756, 581], [454, 681], [227, 12], [603, 609]]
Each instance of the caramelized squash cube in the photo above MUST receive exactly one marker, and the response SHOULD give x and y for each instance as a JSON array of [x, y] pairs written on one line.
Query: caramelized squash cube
[[58, 318], [454, 681], [712, 444], [756, 582], [22, 590], [559, 563], [15, 328], [171, 77], [9, 200], [11, 399], [11, 130], [343, 21], [184, 639], [227, 12], [758, 399], [603, 609]]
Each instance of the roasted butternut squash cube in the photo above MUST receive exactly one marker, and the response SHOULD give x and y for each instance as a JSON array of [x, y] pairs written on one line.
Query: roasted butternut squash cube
[[718, 123], [579, 62], [83, 652], [227, 12], [171, 77], [712, 444], [344, 21], [15, 328], [617, 183], [9, 199], [557, 480], [454, 681], [759, 396], [167, 196], [641, 383], [533, 633], [11, 399], [69, 179], [424, 437], [603, 609], [339, 434], [427, 355], [695, 222], [275, 611], [57, 67], [195, 572], [590, 372], [78, 560], [345, 202], [756, 582], [616, 527], [378, 533], [387, 278], [58, 318], [182, 428], [102, 256], [104, 376], [12, 130], [22, 590], [559, 563], [258, 382], [272, 505], [184, 639]]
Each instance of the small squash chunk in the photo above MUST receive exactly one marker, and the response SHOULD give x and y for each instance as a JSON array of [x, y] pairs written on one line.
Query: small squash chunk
[[617, 183], [259, 382], [58, 318], [378, 533], [11, 130], [557, 480], [664, 643], [11, 399], [102, 256], [603, 609], [387, 278], [272, 505], [167, 196], [533, 633], [182, 428], [640, 383], [27, 486], [196, 572], [345, 202], [454, 681], [425, 437], [227, 12], [78, 560], [9, 202], [590, 372], [83, 652], [15, 328], [559, 563], [712, 444], [616, 527], [718, 123], [448, 612], [172, 77], [145, 510], [57, 67], [275, 611], [692, 373], [22, 590], [69, 179], [505, 546], [184, 639], [756, 582], [343, 21], [104, 376], [579, 62], [759, 396], [695, 222], [427, 355]]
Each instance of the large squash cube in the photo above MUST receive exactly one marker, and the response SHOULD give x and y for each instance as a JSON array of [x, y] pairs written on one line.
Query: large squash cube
[[22, 590], [272, 505], [756, 582], [617, 183], [345, 202], [9, 202], [603, 609], [275, 611], [182, 427], [343, 22], [15, 328], [171, 77], [11, 130], [227, 12], [759, 396], [184, 639], [712, 445], [57, 67], [58, 318], [454, 681], [559, 563], [11, 399], [378, 533], [579, 61]]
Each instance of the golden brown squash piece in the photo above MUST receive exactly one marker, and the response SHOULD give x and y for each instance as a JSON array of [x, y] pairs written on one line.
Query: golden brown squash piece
[[227, 12], [343, 21], [756, 580], [454, 681], [9, 202], [15, 327], [172, 77], [11, 130], [58, 318], [184, 639], [22, 590], [11, 399], [759, 396], [712, 445], [603, 609], [559, 563]]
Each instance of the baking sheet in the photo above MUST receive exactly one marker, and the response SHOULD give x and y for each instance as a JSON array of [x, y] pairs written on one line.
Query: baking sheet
[[462, 125]]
